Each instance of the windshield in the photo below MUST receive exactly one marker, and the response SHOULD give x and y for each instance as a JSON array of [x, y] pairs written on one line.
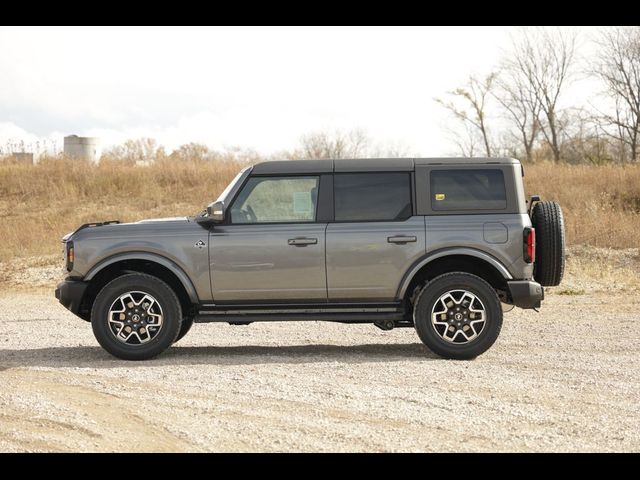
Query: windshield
[[233, 182], [223, 196]]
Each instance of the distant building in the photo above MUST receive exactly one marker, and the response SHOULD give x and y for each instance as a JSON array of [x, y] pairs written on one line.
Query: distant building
[[22, 157], [82, 148]]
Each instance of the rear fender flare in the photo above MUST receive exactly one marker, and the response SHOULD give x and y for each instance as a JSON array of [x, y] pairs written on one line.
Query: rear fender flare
[[471, 252]]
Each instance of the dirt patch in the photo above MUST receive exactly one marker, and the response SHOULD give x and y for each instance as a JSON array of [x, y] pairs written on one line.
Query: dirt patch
[[563, 379], [38, 272]]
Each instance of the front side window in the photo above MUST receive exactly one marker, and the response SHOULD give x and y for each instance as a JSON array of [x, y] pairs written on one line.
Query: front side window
[[468, 190], [361, 197], [276, 200]]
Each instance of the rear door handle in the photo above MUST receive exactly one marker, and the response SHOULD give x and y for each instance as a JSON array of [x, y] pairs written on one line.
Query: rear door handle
[[302, 241], [402, 239]]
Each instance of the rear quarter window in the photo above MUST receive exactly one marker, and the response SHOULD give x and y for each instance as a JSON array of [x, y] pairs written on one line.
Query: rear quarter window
[[481, 189]]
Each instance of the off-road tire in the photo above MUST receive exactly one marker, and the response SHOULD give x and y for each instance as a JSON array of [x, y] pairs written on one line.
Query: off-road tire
[[171, 318], [548, 221], [430, 294]]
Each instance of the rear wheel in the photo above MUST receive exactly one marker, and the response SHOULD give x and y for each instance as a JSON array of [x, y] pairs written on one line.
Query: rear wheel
[[136, 317], [548, 221], [458, 315]]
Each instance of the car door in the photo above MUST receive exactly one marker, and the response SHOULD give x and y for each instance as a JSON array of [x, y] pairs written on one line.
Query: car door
[[375, 237], [272, 248]]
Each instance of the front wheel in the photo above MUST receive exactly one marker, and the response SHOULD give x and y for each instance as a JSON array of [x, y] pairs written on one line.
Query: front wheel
[[458, 315], [136, 317], [187, 323]]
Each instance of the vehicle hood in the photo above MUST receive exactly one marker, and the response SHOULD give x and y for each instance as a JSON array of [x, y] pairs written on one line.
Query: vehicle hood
[[143, 228]]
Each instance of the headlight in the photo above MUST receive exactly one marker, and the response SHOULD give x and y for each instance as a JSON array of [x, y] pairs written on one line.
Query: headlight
[[69, 255]]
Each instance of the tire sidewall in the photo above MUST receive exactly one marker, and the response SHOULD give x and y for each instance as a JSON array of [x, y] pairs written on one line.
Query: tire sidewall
[[163, 294], [187, 323], [432, 292]]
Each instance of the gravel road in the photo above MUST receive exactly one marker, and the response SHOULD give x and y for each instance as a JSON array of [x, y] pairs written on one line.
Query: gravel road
[[564, 379]]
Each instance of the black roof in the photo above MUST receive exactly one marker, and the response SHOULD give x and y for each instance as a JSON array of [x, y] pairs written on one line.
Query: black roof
[[369, 164]]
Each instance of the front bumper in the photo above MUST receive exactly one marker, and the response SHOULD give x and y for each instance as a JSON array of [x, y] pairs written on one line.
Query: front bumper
[[526, 293], [70, 294]]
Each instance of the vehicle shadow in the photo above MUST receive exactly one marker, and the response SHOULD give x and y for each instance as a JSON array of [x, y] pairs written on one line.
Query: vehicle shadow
[[96, 357]]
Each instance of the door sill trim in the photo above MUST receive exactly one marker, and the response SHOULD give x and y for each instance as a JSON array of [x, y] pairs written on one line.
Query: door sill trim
[[293, 305], [274, 316]]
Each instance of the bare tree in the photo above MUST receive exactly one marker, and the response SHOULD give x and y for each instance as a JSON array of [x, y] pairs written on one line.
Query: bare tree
[[584, 140], [619, 68], [544, 61], [521, 105], [336, 145], [133, 150], [191, 151], [468, 104], [466, 139]]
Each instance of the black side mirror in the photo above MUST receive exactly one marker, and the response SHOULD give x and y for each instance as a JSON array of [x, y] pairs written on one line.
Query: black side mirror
[[215, 212]]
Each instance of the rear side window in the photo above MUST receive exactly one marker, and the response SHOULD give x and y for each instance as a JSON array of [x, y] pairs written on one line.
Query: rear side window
[[468, 190], [361, 197]]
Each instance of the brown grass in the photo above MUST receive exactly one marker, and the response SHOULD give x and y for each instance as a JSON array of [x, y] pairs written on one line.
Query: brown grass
[[38, 205], [601, 203]]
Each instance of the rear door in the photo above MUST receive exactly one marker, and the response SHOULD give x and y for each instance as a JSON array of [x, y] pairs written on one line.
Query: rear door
[[375, 236], [273, 247]]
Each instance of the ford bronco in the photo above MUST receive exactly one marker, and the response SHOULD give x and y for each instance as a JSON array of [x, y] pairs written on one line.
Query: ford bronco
[[438, 244]]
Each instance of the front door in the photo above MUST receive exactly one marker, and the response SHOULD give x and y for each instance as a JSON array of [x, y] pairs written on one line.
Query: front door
[[271, 249]]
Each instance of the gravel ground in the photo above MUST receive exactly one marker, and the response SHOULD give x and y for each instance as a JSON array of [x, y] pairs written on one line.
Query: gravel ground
[[563, 379]]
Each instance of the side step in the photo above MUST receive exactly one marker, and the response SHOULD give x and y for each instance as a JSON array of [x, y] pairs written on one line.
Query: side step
[[343, 317]]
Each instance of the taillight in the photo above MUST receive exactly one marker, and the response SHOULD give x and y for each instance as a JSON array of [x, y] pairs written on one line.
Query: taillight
[[71, 256], [529, 244]]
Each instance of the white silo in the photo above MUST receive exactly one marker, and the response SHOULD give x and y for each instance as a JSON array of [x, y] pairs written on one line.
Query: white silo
[[82, 148]]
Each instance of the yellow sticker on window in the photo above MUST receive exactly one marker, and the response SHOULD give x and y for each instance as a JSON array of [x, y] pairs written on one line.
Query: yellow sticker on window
[[439, 196]]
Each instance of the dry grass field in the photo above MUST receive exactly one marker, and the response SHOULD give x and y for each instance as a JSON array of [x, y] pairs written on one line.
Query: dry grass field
[[39, 204]]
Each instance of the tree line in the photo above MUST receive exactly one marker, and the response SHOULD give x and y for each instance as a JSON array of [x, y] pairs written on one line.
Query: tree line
[[517, 108], [323, 144]]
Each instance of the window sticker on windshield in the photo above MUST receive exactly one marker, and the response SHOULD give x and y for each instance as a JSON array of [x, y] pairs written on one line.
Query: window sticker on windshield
[[439, 196], [302, 202]]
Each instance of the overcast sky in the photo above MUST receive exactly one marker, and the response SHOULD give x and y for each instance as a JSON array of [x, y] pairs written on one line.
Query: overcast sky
[[258, 88]]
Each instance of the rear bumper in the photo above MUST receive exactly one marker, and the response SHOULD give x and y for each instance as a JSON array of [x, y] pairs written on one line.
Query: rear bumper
[[70, 293], [526, 293]]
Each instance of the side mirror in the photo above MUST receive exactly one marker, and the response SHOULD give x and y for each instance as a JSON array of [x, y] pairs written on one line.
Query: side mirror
[[215, 212]]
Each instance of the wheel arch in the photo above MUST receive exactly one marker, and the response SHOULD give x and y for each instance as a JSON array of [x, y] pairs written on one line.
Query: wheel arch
[[467, 260], [143, 262]]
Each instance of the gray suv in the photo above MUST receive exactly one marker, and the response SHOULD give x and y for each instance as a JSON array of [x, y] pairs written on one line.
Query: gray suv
[[432, 243]]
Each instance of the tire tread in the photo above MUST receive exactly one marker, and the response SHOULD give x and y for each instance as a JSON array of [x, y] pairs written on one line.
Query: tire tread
[[548, 220]]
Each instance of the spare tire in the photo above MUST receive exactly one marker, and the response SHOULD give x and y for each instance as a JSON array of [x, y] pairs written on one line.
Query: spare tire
[[548, 221]]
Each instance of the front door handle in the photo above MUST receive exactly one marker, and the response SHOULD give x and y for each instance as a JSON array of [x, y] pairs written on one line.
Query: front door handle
[[402, 239], [302, 241]]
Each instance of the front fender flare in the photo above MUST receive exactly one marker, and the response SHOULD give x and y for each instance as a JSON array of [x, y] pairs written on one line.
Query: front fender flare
[[151, 257], [471, 252]]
